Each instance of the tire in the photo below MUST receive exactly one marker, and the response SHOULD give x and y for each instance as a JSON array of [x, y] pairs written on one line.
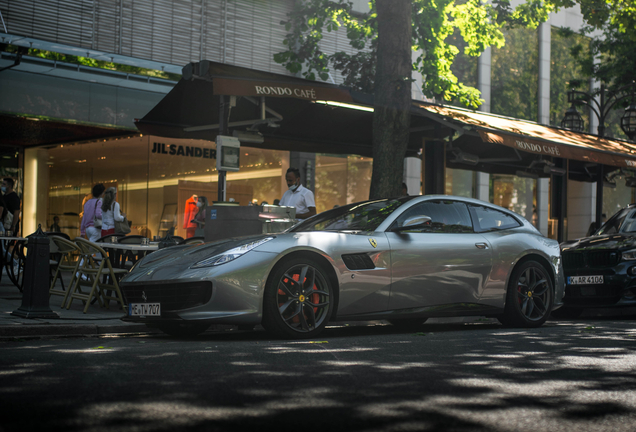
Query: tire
[[565, 313], [182, 329], [298, 311], [529, 297], [407, 323]]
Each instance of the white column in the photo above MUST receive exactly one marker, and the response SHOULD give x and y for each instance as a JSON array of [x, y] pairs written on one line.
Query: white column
[[581, 208], [482, 180], [543, 197], [483, 78], [36, 188], [543, 116], [482, 186], [412, 174], [545, 37]]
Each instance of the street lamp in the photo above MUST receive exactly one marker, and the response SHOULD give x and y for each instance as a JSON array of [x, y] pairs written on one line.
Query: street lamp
[[572, 120], [608, 99], [628, 121]]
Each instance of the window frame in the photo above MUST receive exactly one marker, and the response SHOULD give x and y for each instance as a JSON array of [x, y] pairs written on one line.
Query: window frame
[[477, 226], [394, 224]]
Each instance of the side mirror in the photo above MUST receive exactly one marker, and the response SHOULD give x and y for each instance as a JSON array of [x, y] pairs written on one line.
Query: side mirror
[[414, 222]]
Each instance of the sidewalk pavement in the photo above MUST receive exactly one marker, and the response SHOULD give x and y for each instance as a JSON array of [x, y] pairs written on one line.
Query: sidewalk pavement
[[71, 322]]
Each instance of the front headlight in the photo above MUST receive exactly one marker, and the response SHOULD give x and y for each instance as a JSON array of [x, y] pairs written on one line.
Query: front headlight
[[629, 255], [231, 254]]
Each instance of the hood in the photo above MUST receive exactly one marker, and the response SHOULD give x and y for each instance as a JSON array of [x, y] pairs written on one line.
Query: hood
[[182, 257], [610, 241]]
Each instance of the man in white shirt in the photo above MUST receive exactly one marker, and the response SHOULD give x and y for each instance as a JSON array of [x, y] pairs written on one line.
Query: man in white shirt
[[298, 196]]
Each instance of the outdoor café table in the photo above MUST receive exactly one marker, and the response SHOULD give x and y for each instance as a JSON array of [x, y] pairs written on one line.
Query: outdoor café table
[[14, 259], [119, 253]]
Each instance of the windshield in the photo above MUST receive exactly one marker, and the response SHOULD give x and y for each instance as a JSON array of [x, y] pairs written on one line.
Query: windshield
[[624, 222], [364, 216]]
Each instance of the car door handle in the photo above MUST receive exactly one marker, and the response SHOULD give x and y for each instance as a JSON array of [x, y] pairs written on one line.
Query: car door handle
[[481, 245]]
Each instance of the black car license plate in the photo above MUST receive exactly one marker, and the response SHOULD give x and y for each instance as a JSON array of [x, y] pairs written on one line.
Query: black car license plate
[[586, 280]]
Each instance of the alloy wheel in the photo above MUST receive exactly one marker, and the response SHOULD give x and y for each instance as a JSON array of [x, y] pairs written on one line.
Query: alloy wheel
[[303, 298], [533, 293]]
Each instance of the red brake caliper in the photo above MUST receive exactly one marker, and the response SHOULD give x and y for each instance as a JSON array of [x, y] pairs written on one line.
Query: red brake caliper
[[315, 297]]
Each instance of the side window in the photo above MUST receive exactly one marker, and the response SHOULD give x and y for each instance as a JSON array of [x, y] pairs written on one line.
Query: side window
[[488, 219], [446, 217]]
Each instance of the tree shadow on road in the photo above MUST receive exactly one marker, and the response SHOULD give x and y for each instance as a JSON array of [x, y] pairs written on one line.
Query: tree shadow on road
[[565, 375]]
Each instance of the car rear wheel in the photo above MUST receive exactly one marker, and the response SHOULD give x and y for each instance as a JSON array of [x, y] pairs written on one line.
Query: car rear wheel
[[298, 300], [529, 297], [182, 329]]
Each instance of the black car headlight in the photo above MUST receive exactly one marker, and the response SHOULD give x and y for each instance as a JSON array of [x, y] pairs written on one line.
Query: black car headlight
[[629, 255], [230, 254]]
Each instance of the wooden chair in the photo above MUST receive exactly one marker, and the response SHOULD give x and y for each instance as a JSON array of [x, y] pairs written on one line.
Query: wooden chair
[[58, 234], [66, 258], [95, 264]]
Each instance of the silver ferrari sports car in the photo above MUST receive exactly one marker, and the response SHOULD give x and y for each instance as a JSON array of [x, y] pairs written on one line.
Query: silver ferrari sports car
[[402, 260]]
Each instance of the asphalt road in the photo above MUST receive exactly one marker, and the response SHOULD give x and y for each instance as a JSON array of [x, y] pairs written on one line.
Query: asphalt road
[[566, 376]]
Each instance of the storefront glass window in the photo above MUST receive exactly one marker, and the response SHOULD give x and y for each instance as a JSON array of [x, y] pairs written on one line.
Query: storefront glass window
[[460, 182], [515, 75], [615, 198], [341, 180], [155, 177], [515, 193], [563, 70]]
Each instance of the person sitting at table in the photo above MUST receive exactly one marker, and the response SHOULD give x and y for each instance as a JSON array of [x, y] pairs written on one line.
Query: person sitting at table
[[110, 212]]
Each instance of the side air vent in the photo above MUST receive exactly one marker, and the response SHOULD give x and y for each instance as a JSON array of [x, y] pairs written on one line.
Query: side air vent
[[360, 261]]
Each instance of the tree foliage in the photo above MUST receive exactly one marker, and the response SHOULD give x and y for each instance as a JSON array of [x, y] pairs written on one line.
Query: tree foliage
[[433, 24], [611, 55]]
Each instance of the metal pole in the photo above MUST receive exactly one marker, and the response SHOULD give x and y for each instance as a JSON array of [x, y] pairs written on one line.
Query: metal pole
[[599, 195], [223, 130], [601, 123]]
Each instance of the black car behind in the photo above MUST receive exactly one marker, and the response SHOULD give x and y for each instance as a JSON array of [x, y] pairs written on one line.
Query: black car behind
[[600, 270]]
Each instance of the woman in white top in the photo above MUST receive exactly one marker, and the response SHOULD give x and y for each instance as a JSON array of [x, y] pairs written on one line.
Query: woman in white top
[[110, 212]]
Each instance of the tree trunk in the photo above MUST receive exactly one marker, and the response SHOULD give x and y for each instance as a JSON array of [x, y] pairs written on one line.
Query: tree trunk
[[391, 119]]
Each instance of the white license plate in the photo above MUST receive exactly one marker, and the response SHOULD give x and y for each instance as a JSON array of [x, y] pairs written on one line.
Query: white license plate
[[585, 280], [144, 309]]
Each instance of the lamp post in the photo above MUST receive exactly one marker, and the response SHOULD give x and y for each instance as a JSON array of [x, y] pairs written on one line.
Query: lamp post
[[602, 107]]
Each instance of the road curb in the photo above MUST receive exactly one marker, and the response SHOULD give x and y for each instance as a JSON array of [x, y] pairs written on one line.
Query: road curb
[[17, 331]]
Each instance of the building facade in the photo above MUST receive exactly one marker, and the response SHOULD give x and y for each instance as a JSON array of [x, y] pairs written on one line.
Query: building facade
[[156, 175]]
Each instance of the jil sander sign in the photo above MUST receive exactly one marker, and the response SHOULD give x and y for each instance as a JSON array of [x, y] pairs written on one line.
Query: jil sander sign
[[183, 150]]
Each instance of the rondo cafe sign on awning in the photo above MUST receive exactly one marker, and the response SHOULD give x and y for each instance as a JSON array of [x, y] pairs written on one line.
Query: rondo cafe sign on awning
[[244, 87], [550, 148]]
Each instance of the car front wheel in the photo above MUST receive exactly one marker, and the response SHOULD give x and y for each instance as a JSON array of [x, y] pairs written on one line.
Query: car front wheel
[[529, 297], [298, 299]]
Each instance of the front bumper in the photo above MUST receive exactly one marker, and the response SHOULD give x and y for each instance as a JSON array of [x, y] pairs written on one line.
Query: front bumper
[[618, 288], [227, 294]]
